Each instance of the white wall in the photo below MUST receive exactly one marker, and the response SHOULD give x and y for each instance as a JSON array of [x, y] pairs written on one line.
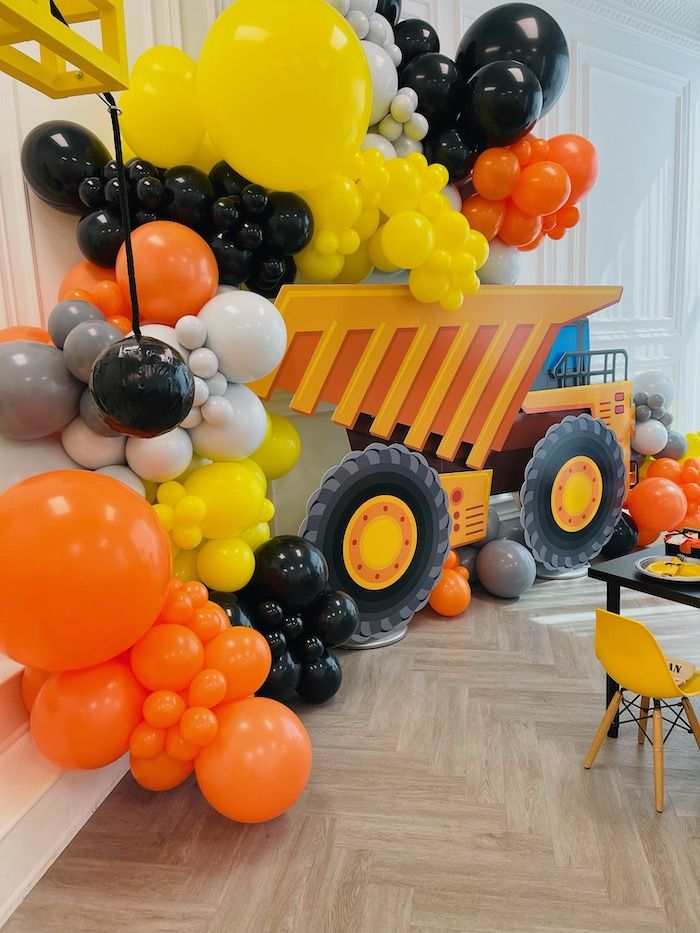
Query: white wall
[[634, 89]]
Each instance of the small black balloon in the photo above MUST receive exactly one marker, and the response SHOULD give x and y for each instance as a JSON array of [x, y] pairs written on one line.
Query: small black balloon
[[277, 642], [308, 648], [268, 615], [503, 101], [321, 679], [390, 10], [110, 170], [142, 387], [111, 192], [238, 613], [249, 236], [439, 86], [100, 236], [270, 270], [290, 226], [255, 201], [291, 570], [449, 148], [292, 626], [91, 192], [188, 195], [226, 180], [334, 618], [235, 265], [136, 169], [149, 191], [282, 680], [226, 212], [415, 37], [624, 538], [142, 217]]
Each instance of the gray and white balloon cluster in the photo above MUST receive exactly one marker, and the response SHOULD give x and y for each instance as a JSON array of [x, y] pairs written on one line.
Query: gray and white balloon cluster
[[654, 393]]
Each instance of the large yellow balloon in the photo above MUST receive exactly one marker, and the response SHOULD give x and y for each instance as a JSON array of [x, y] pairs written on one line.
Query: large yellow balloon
[[226, 565], [233, 495], [279, 453], [285, 91]]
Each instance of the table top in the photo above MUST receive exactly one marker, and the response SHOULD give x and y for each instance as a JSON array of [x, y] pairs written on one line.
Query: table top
[[621, 570]]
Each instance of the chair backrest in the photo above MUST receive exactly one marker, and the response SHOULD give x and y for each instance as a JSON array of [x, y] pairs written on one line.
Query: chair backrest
[[632, 656]]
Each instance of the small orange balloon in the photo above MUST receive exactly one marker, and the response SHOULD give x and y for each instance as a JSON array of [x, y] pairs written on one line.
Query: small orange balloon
[[667, 468], [197, 592], [543, 188], [539, 149], [568, 217], [578, 156], [530, 247], [557, 233], [110, 299], [36, 334], [519, 228], [178, 747], [495, 174], [33, 679], [522, 150], [84, 275], [549, 222], [463, 572], [121, 323], [452, 560], [146, 741], [483, 215], [243, 657], [163, 708], [206, 624], [198, 726], [178, 608], [167, 657], [690, 472], [208, 689], [692, 493], [161, 773], [452, 594]]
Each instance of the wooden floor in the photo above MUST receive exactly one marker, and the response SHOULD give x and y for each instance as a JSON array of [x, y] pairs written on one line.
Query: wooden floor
[[447, 794]]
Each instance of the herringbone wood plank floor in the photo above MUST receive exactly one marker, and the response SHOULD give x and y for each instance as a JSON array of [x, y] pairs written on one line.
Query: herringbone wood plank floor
[[447, 794]]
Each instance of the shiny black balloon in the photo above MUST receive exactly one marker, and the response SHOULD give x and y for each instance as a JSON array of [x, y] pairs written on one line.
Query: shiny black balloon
[[268, 615], [150, 192], [439, 86], [188, 195], [110, 170], [238, 613], [449, 148], [91, 192], [290, 570], [389, 9], [142, 387], [270, 270], [503, 101], [249, 236], [56, 157], [290, 226], [142, 217], [415, 37], [226, 180], [100, 236], [226, 212], [321, 679], [282, 680], [136, 169], [277, 642], [624, 538], [111, 192], [308, 648], [255, 201], [235, 265], [292, 626], [523, 33], [334, 618]]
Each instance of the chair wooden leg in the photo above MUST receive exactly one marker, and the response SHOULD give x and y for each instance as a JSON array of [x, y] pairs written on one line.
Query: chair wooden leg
[[643, 719], [692, 719], [610, 714], [658, 741]]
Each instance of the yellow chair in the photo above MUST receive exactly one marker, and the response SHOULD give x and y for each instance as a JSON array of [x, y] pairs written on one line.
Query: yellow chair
[[632, 657]]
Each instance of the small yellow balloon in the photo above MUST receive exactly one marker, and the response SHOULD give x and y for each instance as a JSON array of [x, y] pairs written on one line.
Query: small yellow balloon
[[404, 189], [226, 565], [453, 300], [348, 242], [418, 160], [165, 515], [233, 497], [427, 287], [478, 246], [279, 453], [326, 242], [268, 511], [187, 537], [170, 493], [433, 203], [166, 58], [256, 535], [190, 510], [451, 231], [377, 254], [317, 268], [357, 267], [468, 284], [463, 263], [407, 239], [435, 178], [368, 223], [336, 205], [439, 261], [185, 566]]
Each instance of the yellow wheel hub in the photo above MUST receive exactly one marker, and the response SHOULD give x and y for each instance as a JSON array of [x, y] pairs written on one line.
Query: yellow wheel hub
[[576, 493], [380, 542]]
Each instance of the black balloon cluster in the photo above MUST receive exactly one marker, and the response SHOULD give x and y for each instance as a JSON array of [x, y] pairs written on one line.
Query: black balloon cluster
[[288, 601]]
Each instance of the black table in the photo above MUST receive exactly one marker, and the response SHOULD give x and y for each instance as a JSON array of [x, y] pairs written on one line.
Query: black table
[[621, 572]]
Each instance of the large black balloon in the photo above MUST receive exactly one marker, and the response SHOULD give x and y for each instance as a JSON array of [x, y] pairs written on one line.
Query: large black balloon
[[449, 148], [56, 157], [334, 618], [439, 86], [415, 37], [226, 180], [188, 196], [282, 680], [291, 570], [290, 227], [624, 538], [142, 387], [523, 33], [503, 101], [238, 613], [235, 265], [390, 9], [321, 679], [100, 236]]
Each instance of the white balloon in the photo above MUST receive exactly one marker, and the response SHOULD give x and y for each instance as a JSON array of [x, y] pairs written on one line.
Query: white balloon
[[167, 335], [193, 418], [247, 333], [409, 92], [89, 449], [654, 382], [22, 459], [390, 129], [395, 54], [364, 6], [190, 331], [378, 29], [201, 392], [453, 196], [385, 80], [375, 141], [403, 108], [218, 384], [203, 363], [241, 436], [359, 22], [217, 411], [405, 146], [126, 476], [224, 289], [417, 127], [160, 459], [504, 265], [650, 438]]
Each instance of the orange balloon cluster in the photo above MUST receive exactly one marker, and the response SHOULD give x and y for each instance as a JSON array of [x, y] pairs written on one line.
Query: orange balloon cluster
[[88, 282], [530, 189], [686, 476], [668, 498], [452, 594]]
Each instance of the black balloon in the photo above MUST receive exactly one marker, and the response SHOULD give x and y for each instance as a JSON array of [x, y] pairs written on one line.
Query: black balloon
[[226, 180], [255, 201], [142, 217], [282, 680], [142, 387], [56, 157], [334, 618], [290, 570], [290, 226], [268, 615], [277, 642], [390, 9], [91, 192], [523, 33], [309, 648], [188, 195], [292, 626], [415, 37], [321, 679], [439, 86], [249, 236], [150, 192], [110, 170], [237, 612], [100, 236], [503, 102], [226, 212], [112, 192], [624, 538], [449, 148], [235, 264], [136, 169]]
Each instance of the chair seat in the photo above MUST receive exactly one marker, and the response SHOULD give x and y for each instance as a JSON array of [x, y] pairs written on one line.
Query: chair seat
[[691, 688]]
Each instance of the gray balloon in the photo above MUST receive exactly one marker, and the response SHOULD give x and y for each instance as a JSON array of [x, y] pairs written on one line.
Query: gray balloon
[[467, 558], [85, 343], [640, 398], [67, 315], [656, 400], [493, 523], [658, 413], [676, 447], [512, 529], [666, 419], [90, 414], [642, 413], [506, 568], [38, 395]]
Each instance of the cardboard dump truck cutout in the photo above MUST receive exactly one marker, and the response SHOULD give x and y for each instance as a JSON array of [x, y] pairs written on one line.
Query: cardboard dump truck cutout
[[444, 409]]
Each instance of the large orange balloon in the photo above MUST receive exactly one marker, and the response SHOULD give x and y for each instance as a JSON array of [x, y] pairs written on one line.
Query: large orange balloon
[[666, 468], [484, 215], [580, 159], [657, 504], [83, 719], [85, 568], [176, 272], [496, 172], [543, 188], [243, 657], [646, 537], [519, 228], [160, 773], [84, 275], [37, 334], [258, 764], [167, 658]]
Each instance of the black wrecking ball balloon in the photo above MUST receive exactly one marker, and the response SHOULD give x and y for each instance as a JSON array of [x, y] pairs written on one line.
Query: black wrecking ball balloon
[[290, 226], [188, 196], [624, 538], [100, 236], [226, 181], [237, 612], [439, 86], [448, 147], [334, 618], [320, 679], [142, 387], [502, 103], [415, 37], [390, 10], [283, 679], [290, 570]]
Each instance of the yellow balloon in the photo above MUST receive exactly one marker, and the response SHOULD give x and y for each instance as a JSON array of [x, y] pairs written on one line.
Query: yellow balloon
[[187, 537], [348, 242], [428, 287], [435, 178], [317, 268], [226, 565], [167, 58], [451, 231], [165, 515], [185, 566], [206, 157], [357, 267], [160, 118], [190, 510], [407, 239], [196, 463], [279, 453], [256, 535], [268, 511], [170, 493], [368, 223], [233, 497], [404, 188], [253, 466], [336, 205], [377, 254], [302, 97], [453, 300], [478, 246]]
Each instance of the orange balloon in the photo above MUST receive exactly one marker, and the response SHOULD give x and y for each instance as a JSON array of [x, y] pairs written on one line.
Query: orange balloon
[[208, 689], [667, 468], [578, 156], [483, 215], [79, 294], [557, 233], [161, 773], [176, 272], [259, 763], [519, 228], [84, 719], [542, 188], [167, 657], [93, 550], [121, 323], [692, 493], [452, 560], [110, 299], [532, 246], [452, 594], [657, 504], [37, 334], [84, 275], [243, 657], [197, 592], [495, 174], [178, 608], [463, 572], [690, 472], [522, 150], [33, 679], [198, 725], [163, 708], [646, 536], [549, 222], [539, 149], [146, 741], [568, 217], [206, 623], [178, 747]]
